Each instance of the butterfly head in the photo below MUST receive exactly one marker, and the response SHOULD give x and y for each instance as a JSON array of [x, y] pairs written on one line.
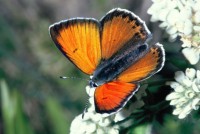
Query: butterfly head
[[96, 81], [92, 84]]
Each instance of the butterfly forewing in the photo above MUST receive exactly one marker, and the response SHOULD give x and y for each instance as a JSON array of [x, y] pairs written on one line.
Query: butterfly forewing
[[119, 26], [79, 40]]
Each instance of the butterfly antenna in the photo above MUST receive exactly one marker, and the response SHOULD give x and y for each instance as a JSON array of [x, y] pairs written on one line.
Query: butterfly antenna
[[86, 107], [65, 77]]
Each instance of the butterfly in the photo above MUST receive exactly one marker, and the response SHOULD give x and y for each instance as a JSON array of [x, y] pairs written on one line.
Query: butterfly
[[114, 51]]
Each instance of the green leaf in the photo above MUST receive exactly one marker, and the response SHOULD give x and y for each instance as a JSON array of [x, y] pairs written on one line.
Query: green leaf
[[141, 129], [22, 125], [8, 109], [56, 116], [14, 119]]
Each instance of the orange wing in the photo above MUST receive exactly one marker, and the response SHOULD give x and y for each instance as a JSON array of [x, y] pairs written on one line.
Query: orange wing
[[112, 96], [118, 27], [148, 65], [79, 40]]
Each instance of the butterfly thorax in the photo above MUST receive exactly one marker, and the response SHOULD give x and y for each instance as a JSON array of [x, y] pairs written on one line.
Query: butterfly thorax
[[109, 69]]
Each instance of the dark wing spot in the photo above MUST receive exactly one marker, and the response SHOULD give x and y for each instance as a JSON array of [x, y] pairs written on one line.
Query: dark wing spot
[[104, 98], [75, 50]]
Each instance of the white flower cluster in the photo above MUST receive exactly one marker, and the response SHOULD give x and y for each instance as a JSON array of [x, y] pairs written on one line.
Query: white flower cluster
[[180, 18], [186, 95], [92, 122]]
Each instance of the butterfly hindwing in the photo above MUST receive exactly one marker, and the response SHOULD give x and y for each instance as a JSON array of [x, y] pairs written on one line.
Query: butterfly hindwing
[[112, 96], [145, 67], [120, 26], [79, 40]]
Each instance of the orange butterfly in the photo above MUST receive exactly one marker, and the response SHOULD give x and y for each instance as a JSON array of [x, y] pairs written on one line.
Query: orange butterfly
[[114, 51]]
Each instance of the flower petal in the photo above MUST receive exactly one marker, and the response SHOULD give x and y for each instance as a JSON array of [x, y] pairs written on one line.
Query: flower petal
[[191, 55], [188, 27], [186, 110], [179, 89], [77, 123], [198, 75], [173, 16], [104, 122], [171, 30], [90, 128], [197, 17], [163, 14], [177, 111], [190, 73], [186, 42], [173, 95], [163, 24], [195, 103], [90, 91], [179, 77], [195, 88]]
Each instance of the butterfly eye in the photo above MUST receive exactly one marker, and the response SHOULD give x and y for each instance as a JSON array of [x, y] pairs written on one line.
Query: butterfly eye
[[92, 84]]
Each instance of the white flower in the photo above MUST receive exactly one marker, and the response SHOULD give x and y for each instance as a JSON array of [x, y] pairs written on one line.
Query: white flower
[[186, 95], [191, 48], [81, 126], [178, 17], [93, 123]]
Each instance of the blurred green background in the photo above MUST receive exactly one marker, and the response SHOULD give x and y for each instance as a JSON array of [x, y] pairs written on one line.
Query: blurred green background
[[34, 100]]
